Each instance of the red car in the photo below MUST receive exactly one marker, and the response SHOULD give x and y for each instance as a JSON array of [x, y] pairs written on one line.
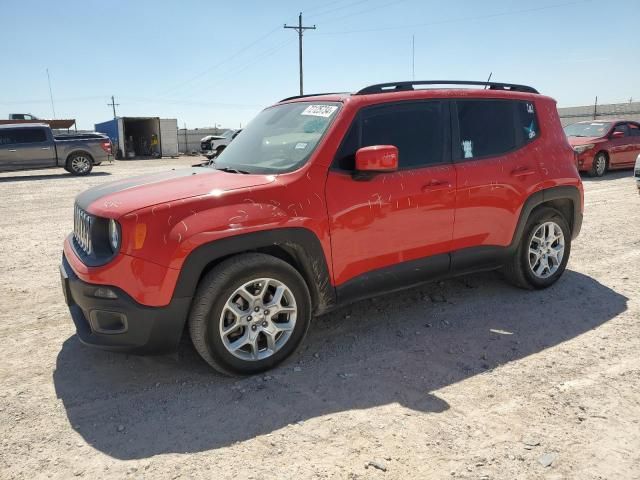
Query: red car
[[604, 145], [324, 200]]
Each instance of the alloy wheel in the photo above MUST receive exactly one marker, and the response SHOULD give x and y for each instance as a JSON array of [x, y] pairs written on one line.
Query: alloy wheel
[[80, 164], [601, 165], [258, 319], [546, 250]]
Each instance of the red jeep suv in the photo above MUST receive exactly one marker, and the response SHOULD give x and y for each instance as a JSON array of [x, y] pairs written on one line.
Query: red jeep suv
[[323, 200]]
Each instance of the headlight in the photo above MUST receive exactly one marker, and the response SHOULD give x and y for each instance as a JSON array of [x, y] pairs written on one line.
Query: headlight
[[583, 148], [114, 235]]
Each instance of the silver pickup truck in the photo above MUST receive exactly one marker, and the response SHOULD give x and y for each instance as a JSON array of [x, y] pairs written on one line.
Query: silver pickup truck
[[26, 146]]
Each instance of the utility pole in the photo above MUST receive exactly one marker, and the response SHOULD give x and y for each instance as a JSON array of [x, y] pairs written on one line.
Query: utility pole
[[300, 29], [595, 109], [114, 105], [413, 57]]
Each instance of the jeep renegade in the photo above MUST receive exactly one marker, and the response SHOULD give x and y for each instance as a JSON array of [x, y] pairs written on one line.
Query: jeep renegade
[[324, 200]]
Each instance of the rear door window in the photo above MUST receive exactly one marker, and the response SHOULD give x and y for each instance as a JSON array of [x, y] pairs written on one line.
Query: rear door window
[[634, 130], [489, 128]]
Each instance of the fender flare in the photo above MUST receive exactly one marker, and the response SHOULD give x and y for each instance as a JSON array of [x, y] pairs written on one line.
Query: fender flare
[[538, 198], [301, 244]]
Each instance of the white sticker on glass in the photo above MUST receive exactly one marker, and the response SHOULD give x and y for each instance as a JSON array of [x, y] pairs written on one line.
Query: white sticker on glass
[[301, 145], [529, 107], [319, 110], [467, 146]]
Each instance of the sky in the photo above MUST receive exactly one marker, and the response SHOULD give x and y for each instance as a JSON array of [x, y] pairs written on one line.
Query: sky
[[211, 63]]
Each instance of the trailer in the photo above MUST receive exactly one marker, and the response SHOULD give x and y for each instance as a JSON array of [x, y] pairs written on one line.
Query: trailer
[[141, 137]]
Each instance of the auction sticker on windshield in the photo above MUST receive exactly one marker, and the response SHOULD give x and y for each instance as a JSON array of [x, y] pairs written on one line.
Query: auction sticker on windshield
[[319, 110]]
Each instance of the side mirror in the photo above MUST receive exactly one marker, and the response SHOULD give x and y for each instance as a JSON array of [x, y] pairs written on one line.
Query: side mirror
[[617, 135], [377, 158]]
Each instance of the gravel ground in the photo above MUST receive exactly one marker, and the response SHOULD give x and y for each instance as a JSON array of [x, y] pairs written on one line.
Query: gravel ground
[[468, 378]]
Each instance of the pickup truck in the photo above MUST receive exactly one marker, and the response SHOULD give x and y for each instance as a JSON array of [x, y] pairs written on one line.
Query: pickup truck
[[28, 146]]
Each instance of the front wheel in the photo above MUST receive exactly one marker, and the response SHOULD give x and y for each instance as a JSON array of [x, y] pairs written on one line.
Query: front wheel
[[599, 166], [542, 255], [249, 314], [79, 164]]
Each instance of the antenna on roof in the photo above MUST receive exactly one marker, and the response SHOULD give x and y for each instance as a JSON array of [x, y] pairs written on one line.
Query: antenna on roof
[[488, 80], [53, 108]]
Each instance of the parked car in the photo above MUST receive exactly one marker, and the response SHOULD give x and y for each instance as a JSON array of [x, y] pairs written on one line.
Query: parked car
[[636, 172], [324, 200], [604, 145], [22, 116], [27, 146], [212, 145]]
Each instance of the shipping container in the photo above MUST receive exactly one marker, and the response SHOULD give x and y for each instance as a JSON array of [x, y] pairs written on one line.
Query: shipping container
[[142, 137]]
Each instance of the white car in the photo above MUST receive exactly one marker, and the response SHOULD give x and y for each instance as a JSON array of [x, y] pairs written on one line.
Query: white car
[[212, 145], [636, 172]]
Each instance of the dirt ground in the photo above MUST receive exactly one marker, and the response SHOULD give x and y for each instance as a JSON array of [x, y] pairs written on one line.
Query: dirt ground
[[468, 378]]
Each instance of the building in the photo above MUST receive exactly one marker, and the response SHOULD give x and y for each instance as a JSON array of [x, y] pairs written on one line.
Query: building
[[624, 111]]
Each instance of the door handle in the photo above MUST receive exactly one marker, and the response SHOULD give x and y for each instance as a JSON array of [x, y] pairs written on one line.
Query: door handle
[[522, 172], [45, 148], [434, 185], [13, 150]]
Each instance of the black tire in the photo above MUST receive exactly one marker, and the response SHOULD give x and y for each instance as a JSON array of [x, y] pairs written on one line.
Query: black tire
[[518, 270], [218, 286], [79, 164], [600, 165]]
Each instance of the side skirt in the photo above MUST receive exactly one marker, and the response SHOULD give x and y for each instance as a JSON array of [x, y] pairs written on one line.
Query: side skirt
[[410, 274]]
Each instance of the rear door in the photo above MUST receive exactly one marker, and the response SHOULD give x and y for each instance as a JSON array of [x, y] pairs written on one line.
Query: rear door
[[26, 148], [497, 169]]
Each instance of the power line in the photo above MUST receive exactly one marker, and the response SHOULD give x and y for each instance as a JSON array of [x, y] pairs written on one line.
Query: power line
[[300, 29], [114, 105], [219, 64], [452, 20]]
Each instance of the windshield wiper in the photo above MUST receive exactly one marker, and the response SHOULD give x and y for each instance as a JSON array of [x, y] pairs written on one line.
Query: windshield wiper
[[231, 170]]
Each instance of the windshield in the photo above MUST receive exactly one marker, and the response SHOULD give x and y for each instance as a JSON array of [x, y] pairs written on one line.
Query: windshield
[[587, 129], [280, 139]]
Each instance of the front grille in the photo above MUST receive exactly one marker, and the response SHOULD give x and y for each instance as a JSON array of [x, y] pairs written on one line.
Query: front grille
[[82, 223]]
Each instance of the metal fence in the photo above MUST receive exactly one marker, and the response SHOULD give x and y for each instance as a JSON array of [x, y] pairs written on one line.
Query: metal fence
[[189, 140], [622, 111]]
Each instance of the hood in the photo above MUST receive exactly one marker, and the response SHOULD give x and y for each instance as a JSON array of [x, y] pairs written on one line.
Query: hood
[[211, 137], [575, 141], [115, 199]]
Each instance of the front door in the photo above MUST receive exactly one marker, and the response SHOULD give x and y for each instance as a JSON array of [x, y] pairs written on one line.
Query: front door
[[389, 221], [620, 150]]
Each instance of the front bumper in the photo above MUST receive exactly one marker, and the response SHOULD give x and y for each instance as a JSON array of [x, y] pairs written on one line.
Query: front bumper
[[121, 324]]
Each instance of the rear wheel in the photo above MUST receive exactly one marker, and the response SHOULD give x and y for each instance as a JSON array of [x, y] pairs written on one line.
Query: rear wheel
[[600, 165], [542, 255], [249, 314], [79, 164]]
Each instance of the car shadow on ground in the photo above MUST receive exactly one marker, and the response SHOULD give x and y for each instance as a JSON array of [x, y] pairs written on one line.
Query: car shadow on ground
[[45, 176], [394, 349], [612, 175]]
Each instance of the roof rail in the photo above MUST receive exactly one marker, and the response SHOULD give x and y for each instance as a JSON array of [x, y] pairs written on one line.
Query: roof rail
[[311, 95], [409, 85]]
